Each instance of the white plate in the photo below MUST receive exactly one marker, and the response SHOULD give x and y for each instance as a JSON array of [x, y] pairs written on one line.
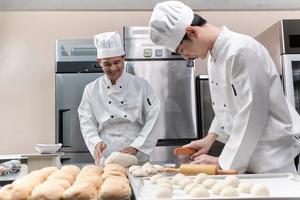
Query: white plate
[[47, 148]]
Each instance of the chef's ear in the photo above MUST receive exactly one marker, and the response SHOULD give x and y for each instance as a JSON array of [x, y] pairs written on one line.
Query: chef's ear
[[98, 60], [191, 32]]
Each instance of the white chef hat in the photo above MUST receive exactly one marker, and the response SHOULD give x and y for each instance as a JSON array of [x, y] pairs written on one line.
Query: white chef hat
[[168, 23], [108, 45]]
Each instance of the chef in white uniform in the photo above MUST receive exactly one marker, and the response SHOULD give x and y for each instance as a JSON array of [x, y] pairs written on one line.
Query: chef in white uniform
[[252, 116], [118, 111]]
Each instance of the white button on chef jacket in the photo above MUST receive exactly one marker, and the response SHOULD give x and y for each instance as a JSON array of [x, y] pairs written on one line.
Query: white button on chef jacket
[[119, 115], [252, 115]]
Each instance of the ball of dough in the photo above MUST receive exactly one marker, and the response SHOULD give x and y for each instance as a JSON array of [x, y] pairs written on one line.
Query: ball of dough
[[217, 188], [6, 192], [229, 191], [159, 168], [176, 178], [163, 192], [38, 174], [209, 183], [123, 159], [80, 191], [139, 172], [198, 192], [165, 184], [92, 168], [115, 188], [62, 175], [163, 180], [245, 187], [200, 177], [72, 169], [184, 182], [154, 178], [47, 192], [132, 168], [115, 167], [150, 170], [232, 181], [260, 190], [107, 174], [188, 188], [95, 180], [49, 170], [64, 183]]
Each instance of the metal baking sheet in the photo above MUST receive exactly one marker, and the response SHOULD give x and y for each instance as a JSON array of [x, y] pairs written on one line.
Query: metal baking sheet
[[281, 186]]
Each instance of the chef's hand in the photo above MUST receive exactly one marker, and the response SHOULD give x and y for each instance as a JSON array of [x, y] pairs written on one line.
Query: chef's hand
[[99, 152], [129, 150], [206, 159], [202, 145]]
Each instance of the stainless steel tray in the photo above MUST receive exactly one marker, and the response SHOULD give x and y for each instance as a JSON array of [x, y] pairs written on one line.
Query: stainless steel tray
[[282, 186]]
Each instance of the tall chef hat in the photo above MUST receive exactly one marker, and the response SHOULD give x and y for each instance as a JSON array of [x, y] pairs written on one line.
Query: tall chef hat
[[108, 45], [168, 23]]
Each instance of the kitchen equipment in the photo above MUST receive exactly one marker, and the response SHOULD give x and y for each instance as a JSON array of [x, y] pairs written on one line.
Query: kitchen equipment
[[194, 169], [172, 79], [47, 148], [76, 66], [183, 154]]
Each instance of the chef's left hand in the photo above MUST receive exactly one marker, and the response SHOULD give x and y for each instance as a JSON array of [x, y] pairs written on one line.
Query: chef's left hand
[[129, 150], [205, 159]]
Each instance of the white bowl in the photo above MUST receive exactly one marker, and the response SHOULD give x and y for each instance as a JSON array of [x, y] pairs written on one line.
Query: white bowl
[[48, 148]]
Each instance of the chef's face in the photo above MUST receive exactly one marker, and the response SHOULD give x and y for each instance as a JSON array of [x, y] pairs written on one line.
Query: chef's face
[[192, 47], [112, 67]]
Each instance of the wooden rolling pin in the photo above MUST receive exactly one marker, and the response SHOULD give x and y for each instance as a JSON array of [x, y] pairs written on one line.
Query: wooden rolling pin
[[194, 169]]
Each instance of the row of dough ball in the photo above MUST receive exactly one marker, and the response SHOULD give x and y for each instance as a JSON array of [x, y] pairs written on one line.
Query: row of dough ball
[[145, 170], [229, 187]]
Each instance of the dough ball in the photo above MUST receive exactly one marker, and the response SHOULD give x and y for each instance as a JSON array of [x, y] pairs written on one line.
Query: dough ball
[[28, 181], [229, 191], [188, 188], [107, 174], [47, 192], [159, 168], [115, 188], [38, 174], [6, 192], [260, 190], [139, 172], [49, 170], [63, 183], [199, 191], [72, 169], [115, 167], [165, 184], [184, 182], [62, 175], [123, 159], [232, 181], [245, 187], [217, 188], [92, 168], [176, 178], [154, 178], [95, 180], [80, 191], [163, 180], [150, 170], [132, 168], [209, 183], [163, 192], [200, 177]]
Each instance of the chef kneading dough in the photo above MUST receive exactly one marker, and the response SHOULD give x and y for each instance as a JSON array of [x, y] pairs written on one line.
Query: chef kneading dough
[[47, 191], [229, 191], [92, 168], [81, 191], [114, 188], [95, 180], [260, 190], [62, 175], [71, 169], [199, 191], [115, 167], [123, 159]]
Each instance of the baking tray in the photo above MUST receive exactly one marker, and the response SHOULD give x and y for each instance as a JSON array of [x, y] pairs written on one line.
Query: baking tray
[[283, 186]]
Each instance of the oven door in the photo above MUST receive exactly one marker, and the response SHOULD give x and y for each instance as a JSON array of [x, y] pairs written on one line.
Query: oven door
[[291, 78]]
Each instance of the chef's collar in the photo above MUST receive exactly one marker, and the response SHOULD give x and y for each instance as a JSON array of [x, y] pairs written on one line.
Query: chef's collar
[[119, 82], [219, 43]]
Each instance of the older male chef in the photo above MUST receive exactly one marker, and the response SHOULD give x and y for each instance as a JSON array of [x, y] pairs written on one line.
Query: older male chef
[[252, 115], [118, 111]]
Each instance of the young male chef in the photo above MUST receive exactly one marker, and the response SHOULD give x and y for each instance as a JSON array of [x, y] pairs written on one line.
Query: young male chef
[[118, 111], [252, 115]]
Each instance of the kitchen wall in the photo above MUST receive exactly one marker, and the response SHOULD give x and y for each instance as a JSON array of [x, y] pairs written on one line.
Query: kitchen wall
[[27, 60]]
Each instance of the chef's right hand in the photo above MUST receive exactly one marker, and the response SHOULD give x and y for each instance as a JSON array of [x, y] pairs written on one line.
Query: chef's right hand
[[202, 145], [99, 152]]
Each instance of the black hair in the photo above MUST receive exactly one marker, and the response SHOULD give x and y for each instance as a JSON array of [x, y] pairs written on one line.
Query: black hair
[[197, 21]]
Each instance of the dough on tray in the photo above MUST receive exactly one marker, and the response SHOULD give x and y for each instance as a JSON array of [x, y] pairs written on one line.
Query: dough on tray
[[232, 180], [188, 188], [184, 181], [260, 190], [154, 178], [200, 177], [163, 192], [115, 167], [115, 188], [92, 169], [80, 191], [209, 183], [199, 191], [123, 159], [217, 188], [72, 169], [47, 191], [245, 187], [229, 191], [176, 178]]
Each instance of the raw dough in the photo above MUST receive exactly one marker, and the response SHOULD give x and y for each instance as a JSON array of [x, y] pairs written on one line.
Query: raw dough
[[232, 181], [198, 192], [217, 188], [139, 172], [95, 180], [159, 168], [154, 178], [92, 168], [114, 188], [115, 167], [6, 192], [200, 177], [72, 169], [62, 175], [64, 183], [188, 188], [209, 183], [81, 191], [184, 182], [47, 192], [107, 174], [133, 167], [165, 184], [163, 192], [163, 180], [245, 187], [229, 191], [49, 170], [260, 190], [176, 178], [123, 159]]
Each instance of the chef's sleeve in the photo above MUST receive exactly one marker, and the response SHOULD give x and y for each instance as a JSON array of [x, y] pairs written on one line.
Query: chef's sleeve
[[215, 127], [147, 139], [251, 82], [88, 123]]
